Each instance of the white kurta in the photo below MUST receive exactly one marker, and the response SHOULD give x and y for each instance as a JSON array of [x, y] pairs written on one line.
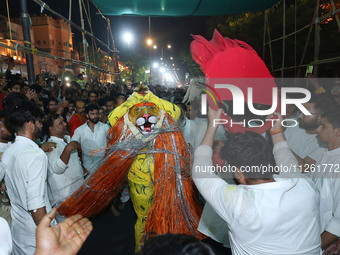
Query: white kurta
[[26, 181], [280, 217], [90, 142], [3, 147], [329, 188], [194, 131], [303, 144], [63, 180]]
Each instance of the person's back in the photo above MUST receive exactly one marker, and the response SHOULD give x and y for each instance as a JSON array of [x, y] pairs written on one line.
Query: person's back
[[21, 182], [275, 218], [26, 174], [265, 214]]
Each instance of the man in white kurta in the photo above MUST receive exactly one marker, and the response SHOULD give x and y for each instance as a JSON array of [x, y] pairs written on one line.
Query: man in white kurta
[[271, 217], [65, 172], [63, 179], [93, 137], [303, 144], [326, 177], [26, 175]]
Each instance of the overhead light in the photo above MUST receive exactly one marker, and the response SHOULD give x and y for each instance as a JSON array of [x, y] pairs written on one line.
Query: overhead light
[[128, 37], [149, 41]]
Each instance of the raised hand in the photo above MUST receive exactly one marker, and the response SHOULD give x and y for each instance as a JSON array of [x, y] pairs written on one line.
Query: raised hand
[[65, 238]]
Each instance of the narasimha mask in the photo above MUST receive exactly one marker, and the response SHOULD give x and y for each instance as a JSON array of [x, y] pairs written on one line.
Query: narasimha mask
[[233, 62]]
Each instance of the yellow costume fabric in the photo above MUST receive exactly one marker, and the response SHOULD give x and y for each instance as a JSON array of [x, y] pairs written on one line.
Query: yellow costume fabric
[[165, 199]]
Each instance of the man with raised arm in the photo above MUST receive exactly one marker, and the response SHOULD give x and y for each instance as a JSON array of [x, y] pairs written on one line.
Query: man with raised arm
[[265, 214]]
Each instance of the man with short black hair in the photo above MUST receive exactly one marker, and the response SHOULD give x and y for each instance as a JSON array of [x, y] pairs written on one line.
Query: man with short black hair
[[93, 97], [26, 174], [65, 171], [326, 177], [110, 104], [265, 214], [93, 137], [14, 86], [302, 139], [52, 105]]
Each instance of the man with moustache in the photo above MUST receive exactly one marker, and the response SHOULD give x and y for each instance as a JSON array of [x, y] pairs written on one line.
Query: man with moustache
[[65, 171], [78, 118], [92, 136], [302, 139], [26, 174]]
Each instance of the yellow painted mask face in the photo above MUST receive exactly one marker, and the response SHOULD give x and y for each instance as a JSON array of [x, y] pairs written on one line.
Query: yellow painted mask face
[[144, 117]]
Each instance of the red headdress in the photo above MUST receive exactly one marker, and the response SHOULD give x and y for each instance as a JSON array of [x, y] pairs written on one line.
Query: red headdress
[[237, 62]]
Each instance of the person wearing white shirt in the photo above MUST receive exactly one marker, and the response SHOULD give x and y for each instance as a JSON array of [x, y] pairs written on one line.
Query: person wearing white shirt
[[93, 138], [65, 171], [309, 151], [265, 214], [327, 176], [195, 128], [26, 176], [305, 146]]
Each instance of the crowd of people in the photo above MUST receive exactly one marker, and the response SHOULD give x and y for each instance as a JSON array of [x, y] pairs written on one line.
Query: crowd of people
[[52, 137]]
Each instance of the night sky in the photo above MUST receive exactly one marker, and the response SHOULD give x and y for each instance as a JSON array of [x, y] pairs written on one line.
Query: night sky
[[175, 31]]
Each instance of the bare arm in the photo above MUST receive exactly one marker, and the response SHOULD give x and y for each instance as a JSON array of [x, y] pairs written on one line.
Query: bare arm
[[38, 214], [208, 138], [65, 156], [327, 238]]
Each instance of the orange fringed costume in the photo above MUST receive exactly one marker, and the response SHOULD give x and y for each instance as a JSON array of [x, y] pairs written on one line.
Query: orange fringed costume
[[163, 197]]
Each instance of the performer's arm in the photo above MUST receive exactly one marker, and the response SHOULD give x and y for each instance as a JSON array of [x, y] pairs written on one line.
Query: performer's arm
[[218, 193]]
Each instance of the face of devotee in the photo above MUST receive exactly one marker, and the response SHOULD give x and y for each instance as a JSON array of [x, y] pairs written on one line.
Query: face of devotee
[[52, 106], [110, 105], [59, 127], [325, 132], [310, 122], [4, 132], [93, 116], [80, 108], [93, 98], [70, 108], [16, 88], [120, 100], [144, 117], [37, 129], [191, 112]]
